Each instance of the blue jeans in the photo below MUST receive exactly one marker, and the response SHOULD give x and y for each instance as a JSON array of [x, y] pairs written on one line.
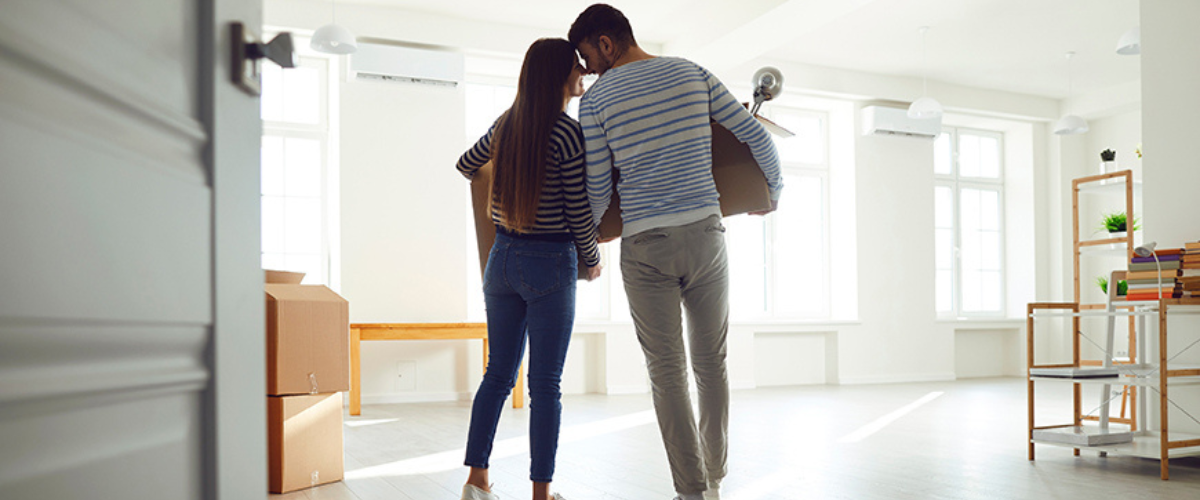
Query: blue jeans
[[529, 288]]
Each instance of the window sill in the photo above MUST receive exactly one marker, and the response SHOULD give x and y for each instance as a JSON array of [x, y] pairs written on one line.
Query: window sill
[[983, 323]]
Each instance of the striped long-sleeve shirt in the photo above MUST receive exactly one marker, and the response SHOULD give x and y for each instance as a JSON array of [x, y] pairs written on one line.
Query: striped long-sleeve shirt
[[563, 209], [649, 119]]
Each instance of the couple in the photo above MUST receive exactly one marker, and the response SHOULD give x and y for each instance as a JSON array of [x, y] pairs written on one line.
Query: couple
[[648, 117]]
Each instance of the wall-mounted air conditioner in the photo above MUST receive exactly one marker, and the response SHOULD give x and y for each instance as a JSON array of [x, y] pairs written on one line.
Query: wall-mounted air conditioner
[[394, 63], [882, 120]]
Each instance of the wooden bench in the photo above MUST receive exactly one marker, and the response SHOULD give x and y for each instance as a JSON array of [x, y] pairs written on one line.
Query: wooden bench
[[418, 331]]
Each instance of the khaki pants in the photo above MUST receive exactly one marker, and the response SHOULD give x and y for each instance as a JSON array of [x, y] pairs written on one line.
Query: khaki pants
[[662, 268]]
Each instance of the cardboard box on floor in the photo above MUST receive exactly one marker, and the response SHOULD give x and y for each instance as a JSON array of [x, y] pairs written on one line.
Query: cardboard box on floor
[[740, 182], [308, 337], [304, 441]]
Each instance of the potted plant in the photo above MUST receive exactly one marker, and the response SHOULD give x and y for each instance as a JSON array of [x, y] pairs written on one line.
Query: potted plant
[[1115, 223], [1122, 286], [1108, 161]]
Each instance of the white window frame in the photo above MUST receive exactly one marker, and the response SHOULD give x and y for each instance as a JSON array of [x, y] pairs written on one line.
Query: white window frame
[[772, 282], [325, 133], [956, 185]]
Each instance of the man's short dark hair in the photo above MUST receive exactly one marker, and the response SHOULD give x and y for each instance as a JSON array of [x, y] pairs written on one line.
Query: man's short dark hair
[[601, 20]]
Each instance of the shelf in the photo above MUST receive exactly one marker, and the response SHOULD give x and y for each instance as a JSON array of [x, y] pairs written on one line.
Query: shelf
[[1043, 313], [1140, 375], [1114, 249], [1146, 444], [1122, 241], [1115, 185]]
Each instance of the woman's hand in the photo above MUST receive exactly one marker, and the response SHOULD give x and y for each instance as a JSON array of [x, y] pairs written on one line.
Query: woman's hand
[[594, 272]]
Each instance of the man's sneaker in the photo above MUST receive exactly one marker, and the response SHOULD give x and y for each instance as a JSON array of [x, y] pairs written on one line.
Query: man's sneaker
[[556, 496], [472, 492]]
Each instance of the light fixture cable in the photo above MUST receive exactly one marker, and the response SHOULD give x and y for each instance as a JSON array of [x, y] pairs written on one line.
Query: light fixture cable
[[924, 62]]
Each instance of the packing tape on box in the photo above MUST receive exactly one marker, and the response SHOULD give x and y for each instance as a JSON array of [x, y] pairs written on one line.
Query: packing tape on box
[[312, 384], [316, 478]]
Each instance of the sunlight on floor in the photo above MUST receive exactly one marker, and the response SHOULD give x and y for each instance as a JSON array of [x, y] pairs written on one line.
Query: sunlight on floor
[[364, 423], [873, 427], [452, 459]]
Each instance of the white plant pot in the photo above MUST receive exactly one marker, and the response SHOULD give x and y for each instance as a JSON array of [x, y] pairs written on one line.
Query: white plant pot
[[1108, 167]]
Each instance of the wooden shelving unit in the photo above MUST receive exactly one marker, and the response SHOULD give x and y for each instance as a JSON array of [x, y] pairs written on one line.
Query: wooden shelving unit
[[1114, 183], [1157, 375]]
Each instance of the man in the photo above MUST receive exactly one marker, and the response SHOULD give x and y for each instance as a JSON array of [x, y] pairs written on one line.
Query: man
[[649, 117]]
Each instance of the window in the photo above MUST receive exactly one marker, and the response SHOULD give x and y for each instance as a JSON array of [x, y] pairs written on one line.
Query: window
[[484, 103], [779, 264], [968, 223], [297, 174]]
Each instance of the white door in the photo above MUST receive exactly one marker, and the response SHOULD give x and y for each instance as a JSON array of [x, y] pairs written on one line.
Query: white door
[[131, 345]]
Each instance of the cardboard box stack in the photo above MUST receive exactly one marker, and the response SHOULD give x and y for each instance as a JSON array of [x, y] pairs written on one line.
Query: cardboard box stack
[[308, 349]]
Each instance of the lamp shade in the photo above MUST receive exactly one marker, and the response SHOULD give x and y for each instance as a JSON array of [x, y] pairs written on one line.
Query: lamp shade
[[925, 107], [1130, 43], [334, 39], [1071, 125], [1145, 250]]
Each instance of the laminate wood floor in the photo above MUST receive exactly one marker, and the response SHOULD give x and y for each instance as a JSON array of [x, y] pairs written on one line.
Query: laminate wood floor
[[953, 440]]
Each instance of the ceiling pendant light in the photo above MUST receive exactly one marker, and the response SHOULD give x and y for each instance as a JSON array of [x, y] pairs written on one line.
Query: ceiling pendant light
[[925, 107], [334, 39], [1070, 124], [1130, 43]]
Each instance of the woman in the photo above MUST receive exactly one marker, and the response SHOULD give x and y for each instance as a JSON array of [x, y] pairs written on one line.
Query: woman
[[540, 207]]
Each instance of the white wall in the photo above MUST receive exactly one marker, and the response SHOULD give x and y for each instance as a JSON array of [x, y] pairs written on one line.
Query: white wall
[[1170, 103], [899, 338]]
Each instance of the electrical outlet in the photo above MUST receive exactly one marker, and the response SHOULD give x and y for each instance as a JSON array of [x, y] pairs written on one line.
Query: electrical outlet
[[406, 376]]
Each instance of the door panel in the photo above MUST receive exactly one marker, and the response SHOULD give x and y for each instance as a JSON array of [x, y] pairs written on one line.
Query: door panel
[[107, 260]]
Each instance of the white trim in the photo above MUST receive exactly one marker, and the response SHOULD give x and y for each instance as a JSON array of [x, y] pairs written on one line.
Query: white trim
[[411, 397], [984, 323], [900, 378], [627, 389]]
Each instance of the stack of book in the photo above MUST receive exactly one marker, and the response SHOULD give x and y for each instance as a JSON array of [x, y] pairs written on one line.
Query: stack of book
[[1189, 279], [1151, 278]]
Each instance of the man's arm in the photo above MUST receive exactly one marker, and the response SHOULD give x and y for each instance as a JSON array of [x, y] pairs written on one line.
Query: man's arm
[[599, 160], [728, 112]]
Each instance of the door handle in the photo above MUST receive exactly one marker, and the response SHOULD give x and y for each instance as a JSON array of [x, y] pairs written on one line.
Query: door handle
[[247, 50]]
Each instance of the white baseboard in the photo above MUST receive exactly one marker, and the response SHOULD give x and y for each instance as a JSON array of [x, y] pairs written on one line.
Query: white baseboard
[[900, 379], [627, 389], [414, 397]]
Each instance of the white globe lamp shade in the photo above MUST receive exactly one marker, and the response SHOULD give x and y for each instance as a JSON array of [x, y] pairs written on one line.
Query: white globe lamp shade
[[1071, 125], [334, 39], [1130, 43], [925, 107]]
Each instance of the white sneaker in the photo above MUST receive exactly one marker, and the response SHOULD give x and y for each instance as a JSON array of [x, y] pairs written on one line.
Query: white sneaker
[[472, 492], [713, 492], [556, 496]]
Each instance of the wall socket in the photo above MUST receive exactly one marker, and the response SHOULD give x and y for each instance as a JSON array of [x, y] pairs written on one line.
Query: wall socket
[[406, 376]]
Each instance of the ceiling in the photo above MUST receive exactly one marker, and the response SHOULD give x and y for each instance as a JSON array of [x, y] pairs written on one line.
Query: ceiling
[[1009, 45]]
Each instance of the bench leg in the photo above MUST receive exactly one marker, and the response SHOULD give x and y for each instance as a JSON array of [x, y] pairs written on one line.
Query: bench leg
[[518, 395], [355, 373]]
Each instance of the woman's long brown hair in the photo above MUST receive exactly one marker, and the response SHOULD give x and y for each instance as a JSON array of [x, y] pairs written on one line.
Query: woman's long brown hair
[[522, 137]]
